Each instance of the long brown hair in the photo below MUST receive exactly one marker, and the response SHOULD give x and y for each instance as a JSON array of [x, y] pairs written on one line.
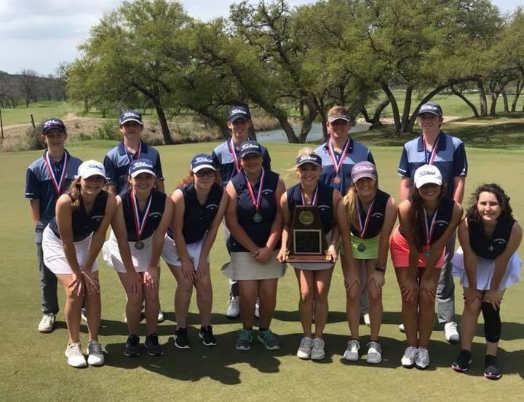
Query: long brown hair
[[74, 193], [503, 199], [187, 179], [416, 215]]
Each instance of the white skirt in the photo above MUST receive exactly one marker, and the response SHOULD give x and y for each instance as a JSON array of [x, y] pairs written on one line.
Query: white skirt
[[170, 255], [54, 256], [243, 266], [485, 269], [140, 258]]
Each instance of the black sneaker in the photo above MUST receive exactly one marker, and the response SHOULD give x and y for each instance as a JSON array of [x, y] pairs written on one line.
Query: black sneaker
[[152, 345], [181, 341], [492, 370], [462, 363], [206, 334], [132, 348]]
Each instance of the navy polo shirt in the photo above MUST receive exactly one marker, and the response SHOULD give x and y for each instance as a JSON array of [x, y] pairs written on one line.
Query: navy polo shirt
[[324, 203], [223, 160], [450, 159], [39, 186], [118, 159], [83, 223], [357, 152], [489, 247], [198, 217], [158, 204], [376, 220], [257, 231]]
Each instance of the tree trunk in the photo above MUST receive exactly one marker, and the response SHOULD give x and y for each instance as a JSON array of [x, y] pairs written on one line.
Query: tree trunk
[[518, 90], [405, 113], [217, 121], [493, 106], [319, 103], [394, 106], [482, 99], [375, 121], [307, 120], [466, 100], [163, 122], [505, 99]]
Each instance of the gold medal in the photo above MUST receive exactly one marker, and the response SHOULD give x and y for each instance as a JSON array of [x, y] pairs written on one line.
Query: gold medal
[[306, 218]]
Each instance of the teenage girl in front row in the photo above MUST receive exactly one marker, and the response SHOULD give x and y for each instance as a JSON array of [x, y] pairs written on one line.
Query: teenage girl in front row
[[426, 220], [142, 217], [71, 243], [486, 265]]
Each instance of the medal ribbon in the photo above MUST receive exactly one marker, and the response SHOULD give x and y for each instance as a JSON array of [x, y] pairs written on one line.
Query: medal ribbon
[[363, 228], [136, 155], [430, 155], [313, 198], [139, 226], [429, 230], [57, 186], [256, 200], [233, 155], [331, 152]]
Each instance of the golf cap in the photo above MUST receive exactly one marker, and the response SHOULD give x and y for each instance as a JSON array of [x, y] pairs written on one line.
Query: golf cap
[[427, 174], [237, 112], [250, 147], [431, 108], [312, 159], [91, 168], [130, 115], [363, 169], [141, 165], [51, 124], [202, 161]]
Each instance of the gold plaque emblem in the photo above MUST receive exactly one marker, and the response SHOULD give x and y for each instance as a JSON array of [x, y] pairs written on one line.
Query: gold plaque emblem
[[306, 218]]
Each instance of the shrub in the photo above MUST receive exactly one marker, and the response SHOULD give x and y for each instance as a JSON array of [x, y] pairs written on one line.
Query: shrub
[[107, 131]]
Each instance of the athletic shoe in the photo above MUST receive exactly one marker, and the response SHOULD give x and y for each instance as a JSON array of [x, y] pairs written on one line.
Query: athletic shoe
[[206, 334], [463, 361], [492, 369], [268, 339], [233, 310], [83, 314], [410, 355], [95, 356], [257, 308], [352, 349], [450, 330], [181, 339], [317, 352], [374, 353], [152, 345], [160, 316], [366, 320], [401, 328], [74, 355], [304, 349], [47, 323], [132, 347], [422, 360], [245, 337]]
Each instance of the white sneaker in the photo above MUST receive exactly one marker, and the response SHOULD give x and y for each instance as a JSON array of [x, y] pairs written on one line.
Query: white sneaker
[[422, 360], [374, 353], [95, 356], [351, 352], [317, 353], [233, 310], [160, 316], [401, 328], [450, 330], [257, 308], [304, 349], [74, 355], [47, 323], [366, 319], [410, 355]]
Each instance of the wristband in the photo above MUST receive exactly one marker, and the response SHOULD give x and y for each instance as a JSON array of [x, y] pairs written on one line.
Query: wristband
[[380, 268]]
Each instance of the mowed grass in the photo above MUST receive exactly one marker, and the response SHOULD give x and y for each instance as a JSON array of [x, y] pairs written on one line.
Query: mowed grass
[[34, 367]]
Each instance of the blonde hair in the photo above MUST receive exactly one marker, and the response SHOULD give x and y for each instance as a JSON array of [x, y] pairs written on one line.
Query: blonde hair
[[349, 201]]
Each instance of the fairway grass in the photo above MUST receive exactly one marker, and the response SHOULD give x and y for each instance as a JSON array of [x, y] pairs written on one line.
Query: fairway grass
[[33, 366]]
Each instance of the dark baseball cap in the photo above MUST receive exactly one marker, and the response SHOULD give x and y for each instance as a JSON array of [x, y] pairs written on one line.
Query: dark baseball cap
[[237, 112], [313, 159], [363, 169], [141, 165], [431, 108], [202, 161], [130, 115], [53, 123], [250, 147]]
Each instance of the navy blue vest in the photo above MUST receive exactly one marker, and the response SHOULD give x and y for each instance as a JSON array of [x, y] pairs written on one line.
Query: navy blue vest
[[83, 224], [324, 203], [489, 247], [158, 204], [257, 232], [377, 217]]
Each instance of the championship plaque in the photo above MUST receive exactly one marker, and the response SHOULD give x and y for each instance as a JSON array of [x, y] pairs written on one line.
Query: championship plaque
[[307, 242]]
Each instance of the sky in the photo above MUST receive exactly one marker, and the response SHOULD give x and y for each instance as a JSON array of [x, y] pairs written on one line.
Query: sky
[[40, 34]]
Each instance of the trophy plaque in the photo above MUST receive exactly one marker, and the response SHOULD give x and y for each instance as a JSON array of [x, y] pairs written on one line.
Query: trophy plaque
[[307, 242]]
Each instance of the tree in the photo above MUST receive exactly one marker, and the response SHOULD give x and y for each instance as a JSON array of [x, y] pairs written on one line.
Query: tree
[[28, 85]]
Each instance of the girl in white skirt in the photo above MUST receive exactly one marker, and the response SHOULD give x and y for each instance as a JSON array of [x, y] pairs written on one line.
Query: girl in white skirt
[[71, 243], [199, 208], [141, 220], [254, 218], [486, 265], [314, 278]]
